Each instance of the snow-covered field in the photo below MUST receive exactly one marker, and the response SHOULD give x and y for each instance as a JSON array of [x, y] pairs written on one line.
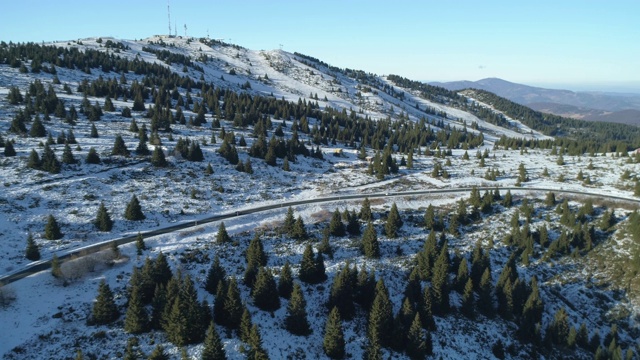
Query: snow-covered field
[[48, 319]]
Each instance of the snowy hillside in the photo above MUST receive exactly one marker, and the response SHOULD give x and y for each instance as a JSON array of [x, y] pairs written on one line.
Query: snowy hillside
[[299, 129]]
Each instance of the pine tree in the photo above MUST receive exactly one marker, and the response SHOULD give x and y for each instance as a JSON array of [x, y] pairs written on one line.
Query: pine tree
[[342, 293], [426, 309], [157, 158], [394, 222], [158, 353], [416, 341], [507, 201], [214, 276], [92, 156], [49, 161], [10, 151], [365, 210], [103, 220], [136, 319], [308, 268], [222, 236], [440, 283], [485, 301], [67, 155], [285, 282], [213, 348], [52, 229], [256, 352], [370, 244], [380, 317], [468, 300], [245, 326], [353, 226], [265, 293], [34, 160], [133, 211], [333, 342], [233, 308], [289, 221], [37, 128], [104, 309], [32, 252], [119, 147], [140, 245], [299, 231], [336, 227], [296, 318]]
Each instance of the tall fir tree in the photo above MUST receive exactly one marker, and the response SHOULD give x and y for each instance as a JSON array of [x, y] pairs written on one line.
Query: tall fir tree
[[416, 340], [333, 342], [215, 274], [213, 348], [52, 229], [285, 282], [265, 291], [296, 319], [157, 157], [394, 222], [136, 318], [380, 317], [104, 310], [119, 147], [133, 211], [103, 220], [222, 237], [289, 221], [32, 252], [336, 227], [370, 244], [365, 210]]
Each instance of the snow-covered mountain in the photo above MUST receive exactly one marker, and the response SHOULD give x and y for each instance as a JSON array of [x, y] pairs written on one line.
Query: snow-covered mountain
[[462, 146]]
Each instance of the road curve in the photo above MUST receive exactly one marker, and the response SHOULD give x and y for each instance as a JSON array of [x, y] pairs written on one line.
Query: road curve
[[41, 265]]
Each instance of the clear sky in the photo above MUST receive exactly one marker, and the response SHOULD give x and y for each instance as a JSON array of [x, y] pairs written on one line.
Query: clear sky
[[577, 43]]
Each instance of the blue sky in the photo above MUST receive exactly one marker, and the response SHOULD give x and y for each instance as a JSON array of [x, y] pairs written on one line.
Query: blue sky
[[580, 44]]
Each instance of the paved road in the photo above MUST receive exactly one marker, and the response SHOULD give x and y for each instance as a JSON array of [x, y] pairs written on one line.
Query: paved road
[[86, 250]]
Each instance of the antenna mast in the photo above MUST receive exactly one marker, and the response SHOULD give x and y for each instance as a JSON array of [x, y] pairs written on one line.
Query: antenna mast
[[169, 16]]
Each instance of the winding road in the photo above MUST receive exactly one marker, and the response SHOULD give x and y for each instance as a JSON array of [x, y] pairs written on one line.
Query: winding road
[[42, 265]]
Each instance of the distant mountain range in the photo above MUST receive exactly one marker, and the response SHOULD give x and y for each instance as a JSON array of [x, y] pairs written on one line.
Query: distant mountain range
[[586, 105]]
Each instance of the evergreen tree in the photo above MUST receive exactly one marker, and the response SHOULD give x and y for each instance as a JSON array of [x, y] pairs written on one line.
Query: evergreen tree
[[52, 229], [370, 244], [289, 221], [485, 301], [103, 220], [104, 309], [222, 236], [34, 160], [245, 326], [119, 147], [353, 226], [507, 201], [157, 158], [158, 353], [299, 231], [394, 222], [49, 161], [32, 252], [285, 282], [440, 283], [67, 155], [213, 348], [140, 245], [10, 151], [136, 319], [365, 210], [309, 267], [296, 318], [336, 227], [341, 295], [265, 292], [468, 300], [214, 276], [233, 308], [333, 342], [416, 341], [133, 211], [94, 132], [92, 156], [37, 128], [380, 317], [256, 351]]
